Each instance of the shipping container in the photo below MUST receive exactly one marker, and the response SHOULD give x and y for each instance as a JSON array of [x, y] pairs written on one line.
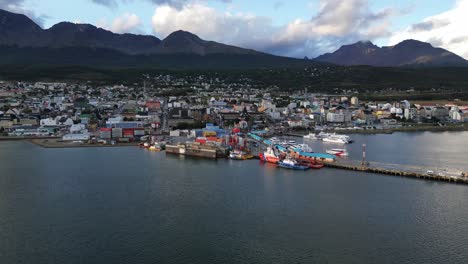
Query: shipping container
[[117, 133], [128, 132], [105, 135], [139, 132]]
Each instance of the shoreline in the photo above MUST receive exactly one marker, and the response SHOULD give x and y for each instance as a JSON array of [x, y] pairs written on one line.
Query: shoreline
[[412, 129], [60, 144]]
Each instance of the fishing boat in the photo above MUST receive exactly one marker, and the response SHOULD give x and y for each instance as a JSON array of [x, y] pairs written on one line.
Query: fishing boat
[[290, 163], [155, 148], [270, 156], [145, 145], [311, 164], [240, 155], [338, 152]]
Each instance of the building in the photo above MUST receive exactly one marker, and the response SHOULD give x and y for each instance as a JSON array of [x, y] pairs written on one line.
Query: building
[[339, 117]]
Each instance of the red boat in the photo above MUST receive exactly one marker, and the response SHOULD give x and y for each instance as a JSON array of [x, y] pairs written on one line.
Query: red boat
[[311, 164], [270, 156]]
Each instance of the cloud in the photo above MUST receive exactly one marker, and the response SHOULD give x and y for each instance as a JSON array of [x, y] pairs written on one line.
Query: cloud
[[337, 22], [429, 25], [446, 30], [127, 23], [19, 7], [174, 3]]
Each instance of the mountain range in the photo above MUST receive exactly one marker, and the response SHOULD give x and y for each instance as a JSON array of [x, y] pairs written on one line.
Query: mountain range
[[406, 53], [24, 42]]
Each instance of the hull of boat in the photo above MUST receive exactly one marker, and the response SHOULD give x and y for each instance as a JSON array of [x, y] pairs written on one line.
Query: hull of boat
[[274, 160], [293, 167]]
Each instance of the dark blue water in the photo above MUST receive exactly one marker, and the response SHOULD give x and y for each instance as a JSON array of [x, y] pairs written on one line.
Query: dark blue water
[[126, 205]]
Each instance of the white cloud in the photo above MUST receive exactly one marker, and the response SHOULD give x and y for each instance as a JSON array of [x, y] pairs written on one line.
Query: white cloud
[[447, 30], [337, 22], [127, 23]]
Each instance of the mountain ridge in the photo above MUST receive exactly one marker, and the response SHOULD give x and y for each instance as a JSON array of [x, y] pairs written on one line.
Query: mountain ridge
[[406, 53]]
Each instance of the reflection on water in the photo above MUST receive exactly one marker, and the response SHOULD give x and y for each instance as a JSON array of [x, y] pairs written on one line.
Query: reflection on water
[[127, 205]]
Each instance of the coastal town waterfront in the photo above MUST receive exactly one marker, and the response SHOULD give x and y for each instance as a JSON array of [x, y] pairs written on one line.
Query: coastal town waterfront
[[105, 205]]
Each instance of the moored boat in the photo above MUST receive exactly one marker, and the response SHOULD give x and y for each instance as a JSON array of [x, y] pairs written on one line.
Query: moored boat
[[311, 136], [270, 156], [289, 163], [337, 152], [240, 155], [311, 164], [339, 139]]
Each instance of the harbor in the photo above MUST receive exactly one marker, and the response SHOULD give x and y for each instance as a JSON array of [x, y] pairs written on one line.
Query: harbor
[[290, 151]]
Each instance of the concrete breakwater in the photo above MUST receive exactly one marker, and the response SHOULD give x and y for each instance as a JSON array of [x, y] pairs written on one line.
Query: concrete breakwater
[[416, 172]]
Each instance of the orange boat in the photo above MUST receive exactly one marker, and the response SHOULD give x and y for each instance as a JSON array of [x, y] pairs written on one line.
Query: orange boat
[[270, 156]]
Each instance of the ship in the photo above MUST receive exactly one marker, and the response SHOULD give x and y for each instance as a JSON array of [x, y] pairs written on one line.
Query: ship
[[311, 136], [337, 152], [339, 139], [240, 155], [289, 163], [270, 156], [195, 150], [311, 164]]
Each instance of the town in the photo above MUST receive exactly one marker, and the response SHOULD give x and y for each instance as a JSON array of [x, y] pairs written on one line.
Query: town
[[83, 113]]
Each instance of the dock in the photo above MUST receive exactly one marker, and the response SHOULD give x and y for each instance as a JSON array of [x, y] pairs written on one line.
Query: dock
[[400, 170]]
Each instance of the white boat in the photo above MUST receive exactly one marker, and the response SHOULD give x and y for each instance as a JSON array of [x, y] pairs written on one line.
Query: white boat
[[339, 139], [302, 148], [337, 152], [289, 163], [311, 136]]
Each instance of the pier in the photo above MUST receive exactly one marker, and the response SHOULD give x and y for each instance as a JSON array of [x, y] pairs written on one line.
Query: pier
[[400, 170]]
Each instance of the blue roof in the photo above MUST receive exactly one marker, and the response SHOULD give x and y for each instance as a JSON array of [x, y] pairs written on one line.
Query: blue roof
[[317, 155]]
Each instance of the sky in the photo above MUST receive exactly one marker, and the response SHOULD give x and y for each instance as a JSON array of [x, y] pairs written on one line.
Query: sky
[[296, 28]]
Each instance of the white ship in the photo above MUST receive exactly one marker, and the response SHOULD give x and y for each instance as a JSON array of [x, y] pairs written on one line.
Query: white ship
[[339, 139]]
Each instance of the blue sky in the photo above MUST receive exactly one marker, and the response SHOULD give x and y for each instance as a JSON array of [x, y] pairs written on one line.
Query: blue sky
[[293, 28]]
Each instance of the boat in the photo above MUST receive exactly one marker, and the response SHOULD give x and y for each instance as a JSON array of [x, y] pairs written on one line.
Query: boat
[[303, 148], [311, 136], [146, 145], [270, 156], [240, 155], [337, 152], [339, 139], [290, 163], [155, 148], [311, 164], [195, 150]]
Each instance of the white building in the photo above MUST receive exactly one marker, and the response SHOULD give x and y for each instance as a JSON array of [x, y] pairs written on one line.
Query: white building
[[76, 137], [48, 122], [74, 129], [339, 117]]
